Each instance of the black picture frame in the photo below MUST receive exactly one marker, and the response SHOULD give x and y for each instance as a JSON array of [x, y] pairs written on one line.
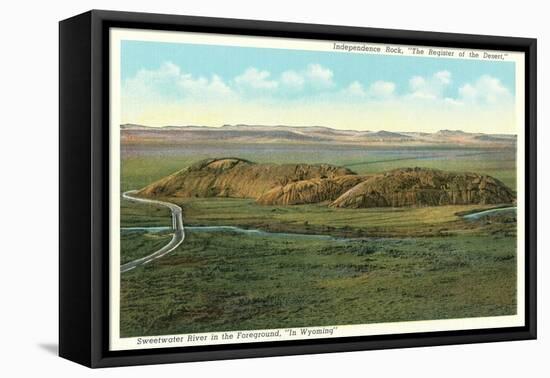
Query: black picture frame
[[84, 183]]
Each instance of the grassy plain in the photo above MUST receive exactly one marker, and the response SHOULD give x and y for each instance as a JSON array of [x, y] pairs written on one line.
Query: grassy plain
[[223, 281], [411, 263], [140, 169], [151, 163], [321, 219], [136, 214], [136, 244]]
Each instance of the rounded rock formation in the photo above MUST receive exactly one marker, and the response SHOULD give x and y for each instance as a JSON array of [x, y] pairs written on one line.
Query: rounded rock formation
[[425, 187], [238, 178]]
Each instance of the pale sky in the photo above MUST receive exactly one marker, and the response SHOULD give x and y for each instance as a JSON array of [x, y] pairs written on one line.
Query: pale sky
[[204, 85]]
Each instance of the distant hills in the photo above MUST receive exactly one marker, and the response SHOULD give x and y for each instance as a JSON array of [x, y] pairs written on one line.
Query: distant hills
[[293, 184], [131, 133]]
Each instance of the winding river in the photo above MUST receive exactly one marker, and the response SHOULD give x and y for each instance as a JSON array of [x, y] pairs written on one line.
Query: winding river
[[484, 213], [179, 235]]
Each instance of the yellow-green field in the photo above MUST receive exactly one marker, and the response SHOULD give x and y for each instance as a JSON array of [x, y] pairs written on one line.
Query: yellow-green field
[[140, 169], [219, 281], [321, 219], [383, 265]]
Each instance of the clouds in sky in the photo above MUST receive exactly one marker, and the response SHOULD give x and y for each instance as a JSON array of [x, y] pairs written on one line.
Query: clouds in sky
[[430, 88], [292, 79], [314, 76], [255, 79], [485, 90], [171, 82], [171, 95], [379, 90], [319, 76]]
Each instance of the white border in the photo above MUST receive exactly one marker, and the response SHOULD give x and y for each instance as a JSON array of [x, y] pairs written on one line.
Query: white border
[[118, 343]]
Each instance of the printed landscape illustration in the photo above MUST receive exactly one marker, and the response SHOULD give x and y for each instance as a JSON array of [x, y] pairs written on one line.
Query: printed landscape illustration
[[383, 215]]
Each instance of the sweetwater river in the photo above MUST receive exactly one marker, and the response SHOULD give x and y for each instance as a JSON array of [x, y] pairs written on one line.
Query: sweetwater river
[[484, 213], [245, 231], [249, 232]]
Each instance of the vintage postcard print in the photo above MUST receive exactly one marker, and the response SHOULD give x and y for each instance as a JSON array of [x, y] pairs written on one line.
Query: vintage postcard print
[[269, 189]]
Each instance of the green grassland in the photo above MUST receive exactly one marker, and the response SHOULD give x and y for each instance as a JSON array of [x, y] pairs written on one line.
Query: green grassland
[[223, 281], [136, 214], [137, 244], [321, 219], [139, 170], [402, 264]]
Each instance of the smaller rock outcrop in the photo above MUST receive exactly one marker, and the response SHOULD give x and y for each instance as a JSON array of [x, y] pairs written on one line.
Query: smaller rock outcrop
[[425, 187]]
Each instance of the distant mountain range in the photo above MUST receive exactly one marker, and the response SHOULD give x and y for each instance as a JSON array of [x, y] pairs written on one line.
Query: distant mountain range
[[131, 133]]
